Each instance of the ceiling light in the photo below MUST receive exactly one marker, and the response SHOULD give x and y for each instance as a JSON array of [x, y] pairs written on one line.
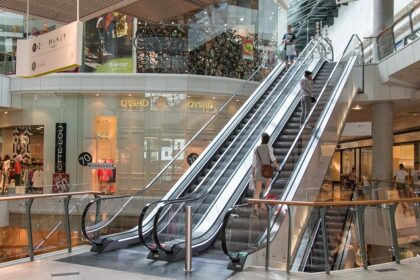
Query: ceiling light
[[357, 107], [241, 19], [97, 95], [36, 97], [214, 97], [237, 100], [6, 112], [130, 95], [225, 24], [205, 12]]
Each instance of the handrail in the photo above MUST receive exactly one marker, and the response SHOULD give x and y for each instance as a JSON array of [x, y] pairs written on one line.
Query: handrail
[[332, 203], [141, 191], [29, 199], [294, 143], [391, 26], [40, 196], [165, 203]]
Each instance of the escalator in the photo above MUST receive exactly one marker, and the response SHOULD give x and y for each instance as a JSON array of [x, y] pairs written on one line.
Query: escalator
[[226, 181], [336, 222], [110, 222], [304, 164]]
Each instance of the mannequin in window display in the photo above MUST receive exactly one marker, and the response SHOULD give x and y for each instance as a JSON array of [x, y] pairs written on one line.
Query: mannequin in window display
[[106, 177], [5, 173], [37, 178]]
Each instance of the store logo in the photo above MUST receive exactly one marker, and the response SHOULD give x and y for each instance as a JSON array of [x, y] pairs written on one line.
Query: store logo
[[134, 103], [204, 106], [60, 147]]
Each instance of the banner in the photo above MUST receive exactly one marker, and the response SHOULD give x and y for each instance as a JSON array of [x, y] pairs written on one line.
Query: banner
[[60, 147], [248, 48], [60, 182], [51, 52], [108, 44]]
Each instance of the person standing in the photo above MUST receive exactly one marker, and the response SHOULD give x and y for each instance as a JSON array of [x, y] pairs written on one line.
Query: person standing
[[401, 180], [306, 89], [289, 46], [17, 169], [263, 155], [415, 175]]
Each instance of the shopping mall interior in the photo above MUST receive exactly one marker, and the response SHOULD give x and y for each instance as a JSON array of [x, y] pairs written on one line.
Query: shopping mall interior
[[133, 139]]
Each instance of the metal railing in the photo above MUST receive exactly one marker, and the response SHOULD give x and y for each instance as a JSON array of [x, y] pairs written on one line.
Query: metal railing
[[67, 210], [400, 33], [390, 205]]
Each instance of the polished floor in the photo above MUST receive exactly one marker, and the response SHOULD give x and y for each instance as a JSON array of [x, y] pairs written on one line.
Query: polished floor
[[80, 265]]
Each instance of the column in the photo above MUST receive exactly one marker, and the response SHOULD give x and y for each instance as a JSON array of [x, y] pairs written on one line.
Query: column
[[382, 143], [383, 16]]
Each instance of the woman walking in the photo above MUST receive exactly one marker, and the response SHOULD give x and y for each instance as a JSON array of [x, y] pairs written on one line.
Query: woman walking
[[263, 159]]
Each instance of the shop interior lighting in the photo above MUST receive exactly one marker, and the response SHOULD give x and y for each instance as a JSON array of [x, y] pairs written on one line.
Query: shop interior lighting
[[357, 107], [214, 97], [97, 95], [130, 95], [237, 100], [241, 19], [5, 112], [36, 97]]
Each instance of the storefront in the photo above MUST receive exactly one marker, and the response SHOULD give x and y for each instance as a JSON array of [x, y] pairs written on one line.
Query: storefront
[[358, 154], [136, 135]]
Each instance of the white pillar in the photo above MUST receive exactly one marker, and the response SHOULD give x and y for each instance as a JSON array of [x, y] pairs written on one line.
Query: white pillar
[[383, 16], [382, 143]]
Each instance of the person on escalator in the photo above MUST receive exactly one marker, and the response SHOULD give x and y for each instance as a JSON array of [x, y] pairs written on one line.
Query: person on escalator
[[306, 89], [289, 46], [263, 158]]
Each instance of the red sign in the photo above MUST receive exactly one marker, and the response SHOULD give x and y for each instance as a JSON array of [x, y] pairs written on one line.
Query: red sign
[[60, 182]]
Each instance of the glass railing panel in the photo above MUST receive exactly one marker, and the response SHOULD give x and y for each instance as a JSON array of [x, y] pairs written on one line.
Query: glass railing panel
[[13, 231]]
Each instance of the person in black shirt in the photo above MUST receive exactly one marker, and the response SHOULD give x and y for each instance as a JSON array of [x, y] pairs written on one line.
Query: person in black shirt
[[289, 46]]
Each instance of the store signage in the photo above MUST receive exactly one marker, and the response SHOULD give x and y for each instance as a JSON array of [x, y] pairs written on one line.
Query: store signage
[[51, 52], [85, 158], [202, 106], [191, 158], [60, 182], [100, 165], [60, 147], [357, 129], [134, 103]]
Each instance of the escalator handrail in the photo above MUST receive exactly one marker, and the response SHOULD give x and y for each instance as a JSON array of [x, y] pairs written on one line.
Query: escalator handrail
[[170, 162], [281, 166], [300, 132], [165, 203]]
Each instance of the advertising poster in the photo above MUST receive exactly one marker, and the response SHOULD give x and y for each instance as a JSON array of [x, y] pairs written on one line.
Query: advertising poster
[[60, 182], [108, 44], [248, 48]]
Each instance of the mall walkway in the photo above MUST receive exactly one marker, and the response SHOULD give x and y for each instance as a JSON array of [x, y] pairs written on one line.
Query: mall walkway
[[63, 267]]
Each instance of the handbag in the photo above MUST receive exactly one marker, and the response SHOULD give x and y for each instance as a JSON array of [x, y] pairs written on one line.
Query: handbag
[[267, 170]]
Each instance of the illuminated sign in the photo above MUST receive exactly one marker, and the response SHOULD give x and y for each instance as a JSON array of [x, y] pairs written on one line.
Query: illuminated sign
[[134, 103], [202, 106]]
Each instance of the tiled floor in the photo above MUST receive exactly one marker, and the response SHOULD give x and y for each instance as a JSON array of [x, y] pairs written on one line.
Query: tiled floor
[[58, 268]]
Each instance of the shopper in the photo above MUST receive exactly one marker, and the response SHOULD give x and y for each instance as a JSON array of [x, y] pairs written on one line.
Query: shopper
[[17, 169], [263, 155], [289, 46], [401, 180], [352, 177], [306, 89], [415, 175]]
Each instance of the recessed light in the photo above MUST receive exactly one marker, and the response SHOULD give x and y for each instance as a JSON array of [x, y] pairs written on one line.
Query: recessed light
[[225, 24], [36, 97], [188, 96], [6, 112], [241, 19], [130, 95], [214, 97], [97, 95], [357, 107], [237, 100]]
